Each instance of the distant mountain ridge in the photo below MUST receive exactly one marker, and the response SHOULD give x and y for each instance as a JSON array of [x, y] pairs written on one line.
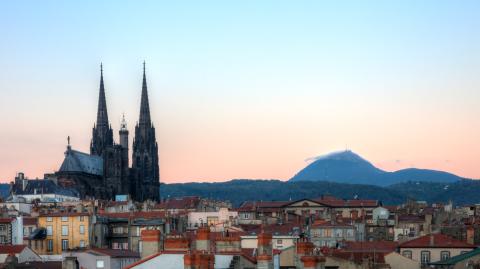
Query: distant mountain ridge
[[237, 191], [348, 167]]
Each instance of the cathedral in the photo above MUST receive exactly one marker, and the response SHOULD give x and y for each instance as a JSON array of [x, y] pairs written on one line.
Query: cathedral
[[105, 172]]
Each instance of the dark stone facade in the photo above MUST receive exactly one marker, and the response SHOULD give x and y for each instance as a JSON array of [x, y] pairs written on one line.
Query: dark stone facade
[[105, 172]]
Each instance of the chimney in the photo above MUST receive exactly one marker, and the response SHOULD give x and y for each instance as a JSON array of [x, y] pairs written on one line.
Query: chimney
[[312, 262], [228, 244], [264, 243], [432, 240], [202, 242], [264, 251], [470, 235], [198, 260], [304, 248], [151, 242]]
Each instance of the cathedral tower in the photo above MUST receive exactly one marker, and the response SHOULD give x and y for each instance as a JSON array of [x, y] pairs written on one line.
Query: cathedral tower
[[102, 134], [145, 153]]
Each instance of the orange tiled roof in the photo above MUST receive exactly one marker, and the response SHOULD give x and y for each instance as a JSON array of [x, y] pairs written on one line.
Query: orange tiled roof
[[436, 241], [7, 249]]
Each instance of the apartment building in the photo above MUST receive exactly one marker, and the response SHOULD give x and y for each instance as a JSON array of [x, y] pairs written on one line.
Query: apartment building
[[64, 231]]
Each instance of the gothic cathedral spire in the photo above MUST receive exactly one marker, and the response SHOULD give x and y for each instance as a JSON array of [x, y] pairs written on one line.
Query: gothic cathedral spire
[[144, 105], [102, 134], [145, 152]]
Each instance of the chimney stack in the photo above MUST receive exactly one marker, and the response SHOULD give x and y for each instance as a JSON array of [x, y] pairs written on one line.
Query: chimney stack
[[198, 260], [312, 262], [304, 248], [151, 242], [264, 251], [202, 242]]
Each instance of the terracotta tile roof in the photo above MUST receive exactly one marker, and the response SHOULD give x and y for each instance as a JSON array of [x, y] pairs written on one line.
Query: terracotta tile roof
[[136, 215], [7, 249], [117, 252], [346, 203], [378, 246], [340, 222], [436, 241], [358, 257], [248, 253], [266, 206], [6, 220], [290, 228], [30, 221], [64, 214], [411, 218]]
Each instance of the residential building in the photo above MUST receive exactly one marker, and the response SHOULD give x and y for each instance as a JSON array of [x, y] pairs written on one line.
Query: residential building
[[324, 233], [64, 231], [469, 260], [433, 248]]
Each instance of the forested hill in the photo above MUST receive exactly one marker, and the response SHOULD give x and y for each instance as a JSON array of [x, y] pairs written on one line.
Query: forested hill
[[237, 191]]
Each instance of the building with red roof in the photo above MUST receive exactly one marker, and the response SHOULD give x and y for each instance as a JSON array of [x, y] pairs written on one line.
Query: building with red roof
[[433, 248]]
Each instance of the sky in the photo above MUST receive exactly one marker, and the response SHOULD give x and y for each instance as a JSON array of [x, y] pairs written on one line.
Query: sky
[[245, 89]]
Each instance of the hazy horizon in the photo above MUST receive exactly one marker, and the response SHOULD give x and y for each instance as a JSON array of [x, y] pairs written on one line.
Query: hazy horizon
[[245, 90]]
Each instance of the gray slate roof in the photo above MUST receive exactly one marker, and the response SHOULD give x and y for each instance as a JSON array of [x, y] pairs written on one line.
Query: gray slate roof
[[45, 186], [76, 161]]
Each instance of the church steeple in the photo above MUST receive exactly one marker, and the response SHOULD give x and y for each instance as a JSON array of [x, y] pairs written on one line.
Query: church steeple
[[144, 105], [102, 134], [102, 115], [145, 153]]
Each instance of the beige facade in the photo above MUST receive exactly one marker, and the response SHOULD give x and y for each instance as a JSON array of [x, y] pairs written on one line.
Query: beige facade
[[426, 255], [397, 261]]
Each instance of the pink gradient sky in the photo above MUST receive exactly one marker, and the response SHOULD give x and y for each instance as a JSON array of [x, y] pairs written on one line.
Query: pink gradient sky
[[246, 90]]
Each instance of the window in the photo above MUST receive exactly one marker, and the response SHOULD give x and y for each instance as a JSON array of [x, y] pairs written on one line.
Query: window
[[118, 230], [279, 241], [64, 218], [25, 231], [212, 221], [338, 232], [49, 245], [425, 256], [327, 232], [81, 218], [49, 219], [350, 232], [444, 255], [64, 244], [49, 230], [100, 264], [64, 230], [82, 229], [407, 253], [82, 243]]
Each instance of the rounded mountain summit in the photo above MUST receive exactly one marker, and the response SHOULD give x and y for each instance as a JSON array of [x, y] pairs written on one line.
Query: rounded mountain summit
[[349, 167]]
